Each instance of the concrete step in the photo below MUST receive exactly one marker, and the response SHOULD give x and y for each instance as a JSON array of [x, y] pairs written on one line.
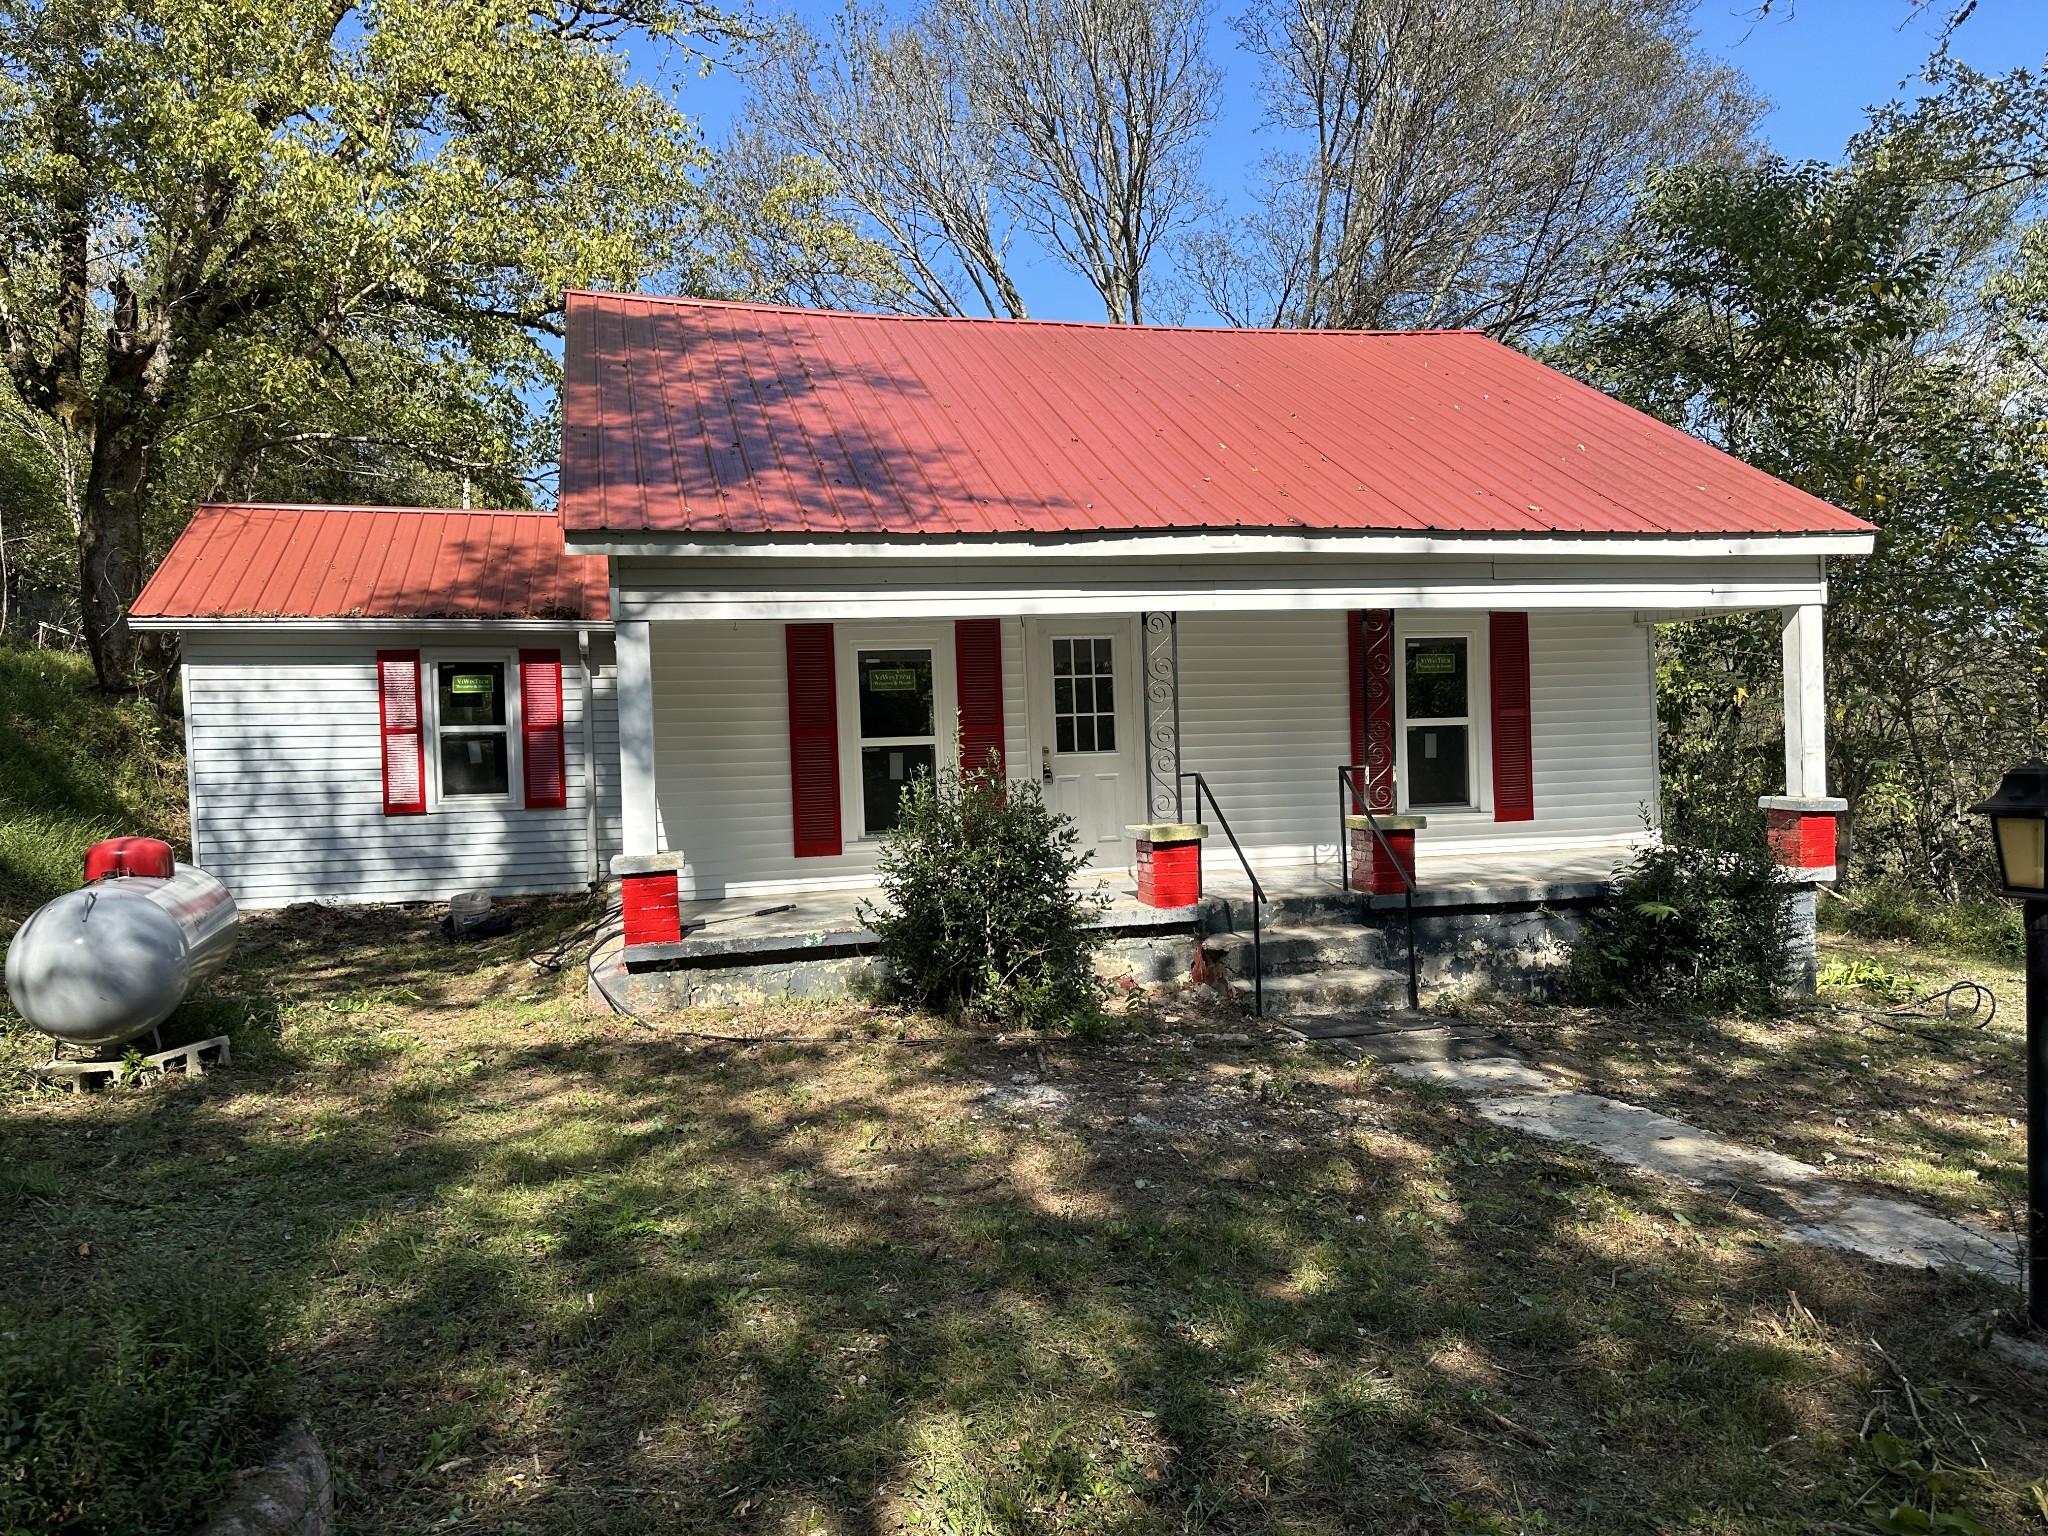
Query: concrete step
[[1296, 908], [1290, 948], [1330, 990]]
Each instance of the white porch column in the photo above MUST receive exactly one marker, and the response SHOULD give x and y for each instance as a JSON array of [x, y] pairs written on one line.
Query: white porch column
[[1800, 824], [1806, 705], [640, 829]]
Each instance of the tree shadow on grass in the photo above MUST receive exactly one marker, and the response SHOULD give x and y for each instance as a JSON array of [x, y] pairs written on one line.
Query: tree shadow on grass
[[628, 1284]]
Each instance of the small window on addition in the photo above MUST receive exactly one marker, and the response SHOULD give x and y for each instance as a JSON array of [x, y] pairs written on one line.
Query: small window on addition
[[476, 756], [1437, 704]]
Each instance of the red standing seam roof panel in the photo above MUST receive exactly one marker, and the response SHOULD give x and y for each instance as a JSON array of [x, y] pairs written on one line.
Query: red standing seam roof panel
[[306, 562], [690, 416]]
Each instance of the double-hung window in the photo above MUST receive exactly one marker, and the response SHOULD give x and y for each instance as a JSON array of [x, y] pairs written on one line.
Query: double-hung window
[[898, 712], [472, 723], [1436, 683]]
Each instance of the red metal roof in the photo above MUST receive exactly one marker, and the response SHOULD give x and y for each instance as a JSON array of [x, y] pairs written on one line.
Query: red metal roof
[[306, 562], [690, 416]]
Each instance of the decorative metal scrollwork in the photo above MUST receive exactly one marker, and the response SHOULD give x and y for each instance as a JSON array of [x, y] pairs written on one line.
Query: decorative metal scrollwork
[[1162, 716], [1379, 711]]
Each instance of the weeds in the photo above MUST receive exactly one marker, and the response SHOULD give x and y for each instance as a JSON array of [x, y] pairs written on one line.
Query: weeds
[[75, 767]]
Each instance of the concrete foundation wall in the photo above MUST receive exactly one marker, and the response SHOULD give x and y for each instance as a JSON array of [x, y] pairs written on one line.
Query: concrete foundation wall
[[1520, 949]]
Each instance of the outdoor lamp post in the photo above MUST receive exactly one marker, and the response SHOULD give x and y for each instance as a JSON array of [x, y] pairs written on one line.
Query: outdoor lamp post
[[2019, 826]]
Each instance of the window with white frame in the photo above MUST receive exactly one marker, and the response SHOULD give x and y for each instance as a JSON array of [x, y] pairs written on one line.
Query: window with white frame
[[1436, 706], [898, 720], [472, 724]]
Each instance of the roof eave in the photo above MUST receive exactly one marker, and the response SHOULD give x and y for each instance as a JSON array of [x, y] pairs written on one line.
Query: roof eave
[[1111, 543]]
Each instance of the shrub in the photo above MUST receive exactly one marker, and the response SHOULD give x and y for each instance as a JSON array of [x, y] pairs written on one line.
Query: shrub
[[1886, 909], [980, 912], [1689, 929], [129, 1407]]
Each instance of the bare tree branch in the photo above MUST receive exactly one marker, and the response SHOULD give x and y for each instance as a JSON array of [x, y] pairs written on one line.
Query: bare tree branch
[[1470, 162]]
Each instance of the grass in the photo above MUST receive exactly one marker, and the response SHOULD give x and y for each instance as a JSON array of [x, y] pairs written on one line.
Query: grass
[[75, 767], [1922, 1106], [541, 1270]]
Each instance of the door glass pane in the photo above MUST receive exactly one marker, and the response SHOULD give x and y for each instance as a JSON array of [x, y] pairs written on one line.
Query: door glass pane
[[895, 693], [474, 763], [1437, 770], [1083, 696], [1436, 678], [885, 772], [472, 693]]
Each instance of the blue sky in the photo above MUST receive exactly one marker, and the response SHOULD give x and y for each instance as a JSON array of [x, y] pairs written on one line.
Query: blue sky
[[1821, 63]]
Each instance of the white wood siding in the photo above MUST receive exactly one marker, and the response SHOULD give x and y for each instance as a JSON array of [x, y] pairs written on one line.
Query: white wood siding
[[287, 782], [1264, 715]]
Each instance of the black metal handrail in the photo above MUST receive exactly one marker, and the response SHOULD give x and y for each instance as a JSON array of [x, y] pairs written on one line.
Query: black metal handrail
[[1258, 891], [1349, 787]]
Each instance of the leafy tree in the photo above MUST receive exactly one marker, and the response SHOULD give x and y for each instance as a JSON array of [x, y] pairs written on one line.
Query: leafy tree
[[315, 245], [1832, 325]]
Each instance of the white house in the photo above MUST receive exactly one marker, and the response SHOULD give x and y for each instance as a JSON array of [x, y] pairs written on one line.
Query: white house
[[823, 547]]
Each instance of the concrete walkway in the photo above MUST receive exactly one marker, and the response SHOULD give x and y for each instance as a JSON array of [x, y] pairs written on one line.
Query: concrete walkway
[[1508, 1091]]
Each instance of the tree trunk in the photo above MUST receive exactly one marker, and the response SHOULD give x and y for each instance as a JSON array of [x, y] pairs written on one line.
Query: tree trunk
[[112, 557]]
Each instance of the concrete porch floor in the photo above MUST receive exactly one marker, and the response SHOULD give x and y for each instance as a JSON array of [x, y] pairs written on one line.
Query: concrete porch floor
[[761, 925]]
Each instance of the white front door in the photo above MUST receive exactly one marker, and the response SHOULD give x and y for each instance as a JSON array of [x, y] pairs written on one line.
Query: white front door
[[1086, 728]]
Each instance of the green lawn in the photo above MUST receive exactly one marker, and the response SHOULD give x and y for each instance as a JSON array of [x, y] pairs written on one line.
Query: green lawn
[[541, 1270]]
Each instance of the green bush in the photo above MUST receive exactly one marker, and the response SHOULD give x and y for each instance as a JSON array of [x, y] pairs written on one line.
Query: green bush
[[1689, 929], [980, 913], [129, 1407], [1987, 927]]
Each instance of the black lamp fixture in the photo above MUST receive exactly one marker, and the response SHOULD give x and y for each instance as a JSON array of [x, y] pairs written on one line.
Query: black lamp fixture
[[2019, 826]]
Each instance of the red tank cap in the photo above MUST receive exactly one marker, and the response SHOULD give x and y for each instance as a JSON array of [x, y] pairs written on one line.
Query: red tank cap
[[146, 856]]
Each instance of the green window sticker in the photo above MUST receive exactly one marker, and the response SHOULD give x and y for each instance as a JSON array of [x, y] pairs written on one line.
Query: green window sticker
[[892, 680], [1436, 663], [471, 682]]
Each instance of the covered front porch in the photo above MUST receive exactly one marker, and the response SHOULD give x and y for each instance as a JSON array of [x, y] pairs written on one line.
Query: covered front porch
[[762, 745]]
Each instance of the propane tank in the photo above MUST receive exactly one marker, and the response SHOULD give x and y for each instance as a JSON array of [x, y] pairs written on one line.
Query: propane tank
[[112, 960]]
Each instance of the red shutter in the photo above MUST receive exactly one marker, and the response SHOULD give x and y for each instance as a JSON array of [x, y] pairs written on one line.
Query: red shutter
[[1514, 771], [540, 730], [1372, 703], [398, 720], [813, 741], [978, 662]]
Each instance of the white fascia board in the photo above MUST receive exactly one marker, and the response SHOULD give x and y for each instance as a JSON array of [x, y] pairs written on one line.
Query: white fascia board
[[1225, 543], [914, 603], [372, 626]]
